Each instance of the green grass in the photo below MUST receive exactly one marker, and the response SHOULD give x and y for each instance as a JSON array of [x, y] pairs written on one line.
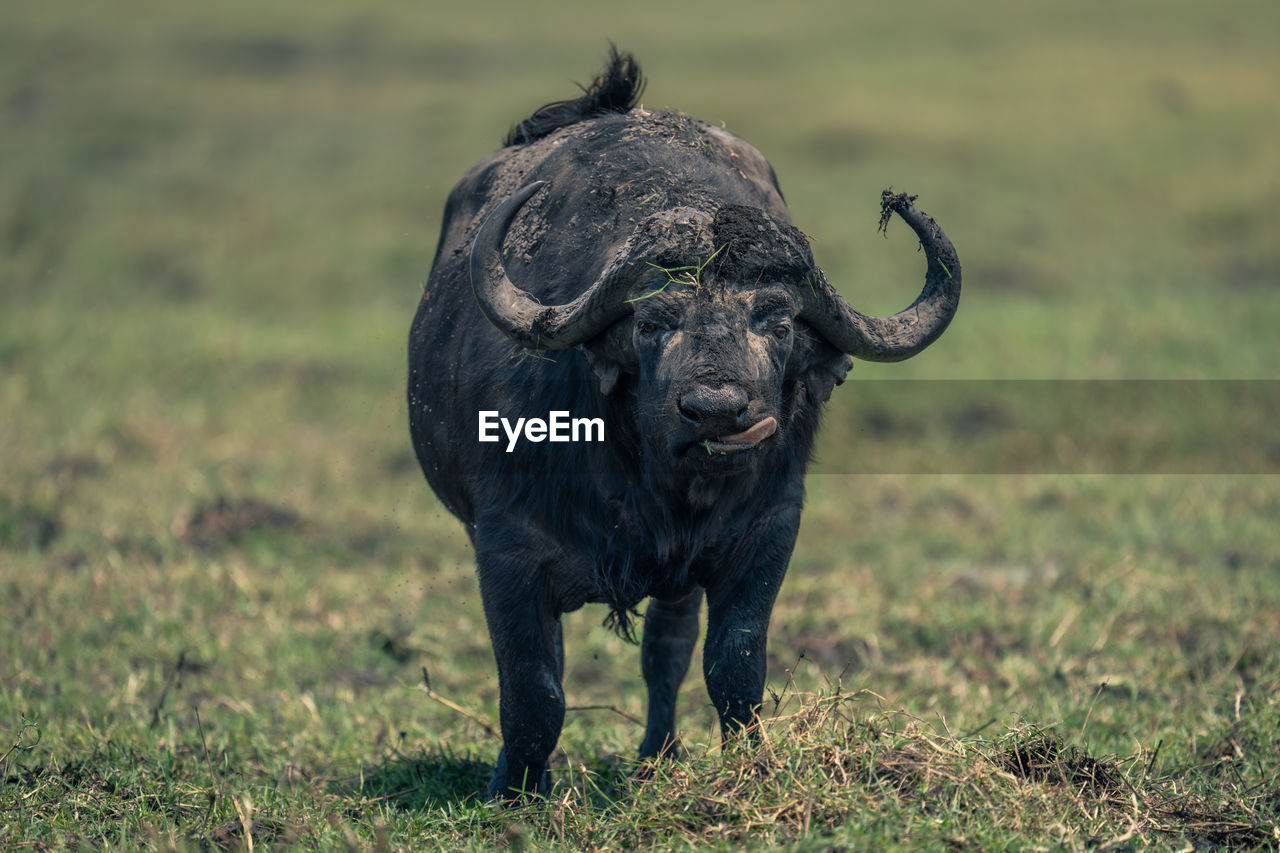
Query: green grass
[[1021, 614]]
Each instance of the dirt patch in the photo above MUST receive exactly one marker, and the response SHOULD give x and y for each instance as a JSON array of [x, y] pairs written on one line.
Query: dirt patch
[[236, 834], [227, 521], [26, 525], [1044, 757]]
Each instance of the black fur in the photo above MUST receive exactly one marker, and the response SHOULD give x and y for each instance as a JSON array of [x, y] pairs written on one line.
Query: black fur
[[617, 90], [654, 511]]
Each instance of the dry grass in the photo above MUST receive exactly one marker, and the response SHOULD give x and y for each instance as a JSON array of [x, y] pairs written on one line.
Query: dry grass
[[837, 765]]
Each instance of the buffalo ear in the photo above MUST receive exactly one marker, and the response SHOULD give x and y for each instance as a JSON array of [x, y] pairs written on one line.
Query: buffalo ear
[[609, 355], [606, 371], [822, 378], [819, 365]]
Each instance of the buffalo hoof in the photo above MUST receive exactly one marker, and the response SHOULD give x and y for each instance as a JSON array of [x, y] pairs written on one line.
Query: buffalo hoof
[[500, 793]]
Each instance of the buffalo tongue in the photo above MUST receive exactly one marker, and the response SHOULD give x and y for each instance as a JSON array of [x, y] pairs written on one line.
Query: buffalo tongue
[[754, 435]]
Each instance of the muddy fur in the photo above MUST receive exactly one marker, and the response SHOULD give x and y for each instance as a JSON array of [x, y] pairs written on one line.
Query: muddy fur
[[757, 245]]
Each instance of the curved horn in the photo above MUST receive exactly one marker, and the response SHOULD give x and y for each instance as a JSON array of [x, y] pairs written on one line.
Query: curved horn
[[520, 316], [909, 331]]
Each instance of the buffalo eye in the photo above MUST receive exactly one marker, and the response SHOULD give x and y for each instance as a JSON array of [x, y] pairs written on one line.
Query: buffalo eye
[[648, 327], [781, 330]]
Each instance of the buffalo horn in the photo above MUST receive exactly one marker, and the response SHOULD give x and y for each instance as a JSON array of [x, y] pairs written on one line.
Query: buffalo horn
[[531, 324], [520, 316], [909, 331]]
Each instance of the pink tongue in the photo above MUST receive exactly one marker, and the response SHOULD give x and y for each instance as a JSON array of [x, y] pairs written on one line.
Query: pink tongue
[[756, 434]]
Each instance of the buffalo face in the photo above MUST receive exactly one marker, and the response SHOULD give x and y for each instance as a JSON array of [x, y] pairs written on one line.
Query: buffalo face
[[711, 358]]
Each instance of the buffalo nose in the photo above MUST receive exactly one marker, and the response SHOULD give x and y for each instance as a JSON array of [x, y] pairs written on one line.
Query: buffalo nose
[[715, 410]]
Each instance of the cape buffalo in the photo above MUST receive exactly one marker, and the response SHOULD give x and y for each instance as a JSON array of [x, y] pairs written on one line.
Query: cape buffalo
[[637, 269]]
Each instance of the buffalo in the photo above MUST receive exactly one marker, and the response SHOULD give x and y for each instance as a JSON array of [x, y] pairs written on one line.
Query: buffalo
[[635, 272]]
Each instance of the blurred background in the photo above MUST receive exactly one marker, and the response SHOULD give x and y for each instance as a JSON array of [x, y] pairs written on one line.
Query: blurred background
[[212, 212], [215, 219]]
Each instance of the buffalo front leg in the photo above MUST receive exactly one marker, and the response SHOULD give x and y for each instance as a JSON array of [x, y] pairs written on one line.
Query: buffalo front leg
[[670, 633], [528, 648], [738, 611]]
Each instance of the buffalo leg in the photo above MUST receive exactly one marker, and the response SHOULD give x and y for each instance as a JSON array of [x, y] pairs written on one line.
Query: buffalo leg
[[528, 647], [738, 610], [670, 633]]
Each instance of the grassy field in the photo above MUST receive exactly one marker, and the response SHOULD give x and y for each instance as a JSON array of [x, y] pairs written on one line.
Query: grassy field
[[1011, 622]]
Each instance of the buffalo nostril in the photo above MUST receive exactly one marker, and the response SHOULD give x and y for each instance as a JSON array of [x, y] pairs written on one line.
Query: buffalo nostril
[[718, 409]]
